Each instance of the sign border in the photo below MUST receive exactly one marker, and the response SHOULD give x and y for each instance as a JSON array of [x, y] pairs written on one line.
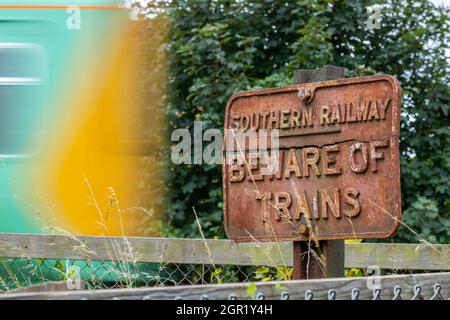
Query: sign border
[[395, 155]]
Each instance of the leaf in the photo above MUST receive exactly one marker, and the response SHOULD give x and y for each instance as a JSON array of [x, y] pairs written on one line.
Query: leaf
[[251, 291]]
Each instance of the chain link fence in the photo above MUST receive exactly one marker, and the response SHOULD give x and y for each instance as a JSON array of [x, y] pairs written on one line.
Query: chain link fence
[[433, 286], [19, 273]]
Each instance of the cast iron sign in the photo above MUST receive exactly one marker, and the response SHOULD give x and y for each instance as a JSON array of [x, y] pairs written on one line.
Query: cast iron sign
[[317, 160]]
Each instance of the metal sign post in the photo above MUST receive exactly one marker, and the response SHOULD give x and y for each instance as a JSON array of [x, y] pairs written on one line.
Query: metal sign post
[[314, 163], [320, 259]]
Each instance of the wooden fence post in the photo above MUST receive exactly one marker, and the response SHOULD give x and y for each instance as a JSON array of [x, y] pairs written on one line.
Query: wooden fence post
[[326, 259]]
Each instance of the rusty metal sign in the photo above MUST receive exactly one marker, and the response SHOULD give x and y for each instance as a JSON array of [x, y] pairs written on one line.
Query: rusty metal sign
[[313, 161]]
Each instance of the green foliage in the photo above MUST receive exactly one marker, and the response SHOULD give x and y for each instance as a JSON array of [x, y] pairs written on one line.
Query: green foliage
[[271, 274], [354, 272], [219, 47], [215, 275], [424, 215], [251, 291]]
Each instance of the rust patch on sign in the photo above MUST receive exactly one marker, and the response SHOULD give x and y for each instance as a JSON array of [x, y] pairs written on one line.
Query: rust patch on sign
[[313, 161]]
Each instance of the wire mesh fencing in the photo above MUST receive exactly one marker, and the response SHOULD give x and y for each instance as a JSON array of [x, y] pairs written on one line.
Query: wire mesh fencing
[[18, 273], [425, 286]]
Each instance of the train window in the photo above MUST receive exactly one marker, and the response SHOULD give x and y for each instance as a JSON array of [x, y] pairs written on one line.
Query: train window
[[21, 104], [21, 61]]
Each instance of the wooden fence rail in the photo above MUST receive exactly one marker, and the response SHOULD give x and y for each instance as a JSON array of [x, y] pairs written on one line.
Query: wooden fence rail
[[220, 252], [418, 286]]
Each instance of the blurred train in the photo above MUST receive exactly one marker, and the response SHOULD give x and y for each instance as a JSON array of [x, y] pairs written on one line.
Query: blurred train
[[81, 118]]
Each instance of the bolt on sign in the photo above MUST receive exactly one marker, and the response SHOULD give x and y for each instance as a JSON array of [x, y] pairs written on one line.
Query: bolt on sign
[[313, 161]]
